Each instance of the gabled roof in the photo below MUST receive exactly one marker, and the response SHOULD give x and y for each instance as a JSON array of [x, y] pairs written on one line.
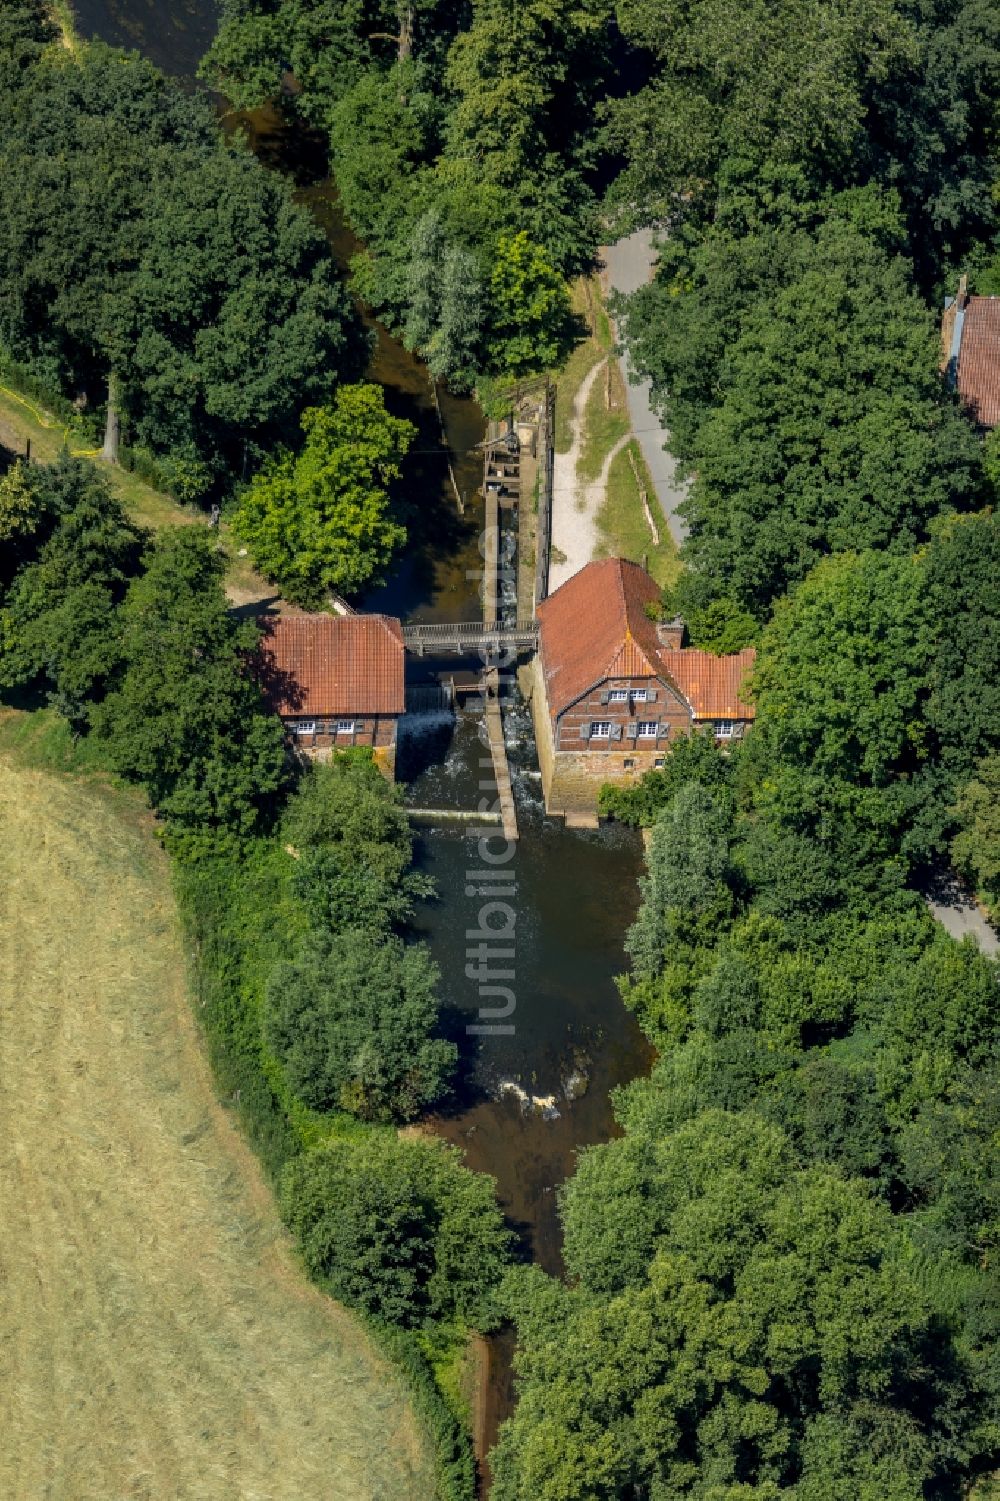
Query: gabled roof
[[595, 627], [333, 664], [978, 374]]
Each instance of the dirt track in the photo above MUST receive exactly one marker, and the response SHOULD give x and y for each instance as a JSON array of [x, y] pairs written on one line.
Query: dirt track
[[156, 1339]]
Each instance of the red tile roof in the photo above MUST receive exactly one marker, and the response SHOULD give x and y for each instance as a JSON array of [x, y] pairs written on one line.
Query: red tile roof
[[333, 664], [595, 627], [710, 684], [978, 375]]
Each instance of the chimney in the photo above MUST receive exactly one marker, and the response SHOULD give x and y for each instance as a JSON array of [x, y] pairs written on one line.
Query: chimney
[[670, 633]]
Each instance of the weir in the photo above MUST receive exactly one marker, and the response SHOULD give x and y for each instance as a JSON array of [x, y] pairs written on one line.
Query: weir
[[498, 750]]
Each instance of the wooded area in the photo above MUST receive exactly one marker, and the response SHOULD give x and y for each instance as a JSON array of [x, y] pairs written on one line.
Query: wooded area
[[782, 1277]]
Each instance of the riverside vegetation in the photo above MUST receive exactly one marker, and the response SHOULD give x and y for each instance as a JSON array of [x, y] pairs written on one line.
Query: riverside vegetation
[[782, 1278], [319, 1010]]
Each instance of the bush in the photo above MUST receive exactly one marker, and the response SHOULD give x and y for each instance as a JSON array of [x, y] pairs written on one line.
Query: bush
[[398, 1228], [350, 1018]]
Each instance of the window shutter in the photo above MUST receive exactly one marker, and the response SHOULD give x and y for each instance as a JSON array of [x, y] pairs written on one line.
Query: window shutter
[[605, 696], [632, 729], [616, 732], [585, 730], [651, 695]]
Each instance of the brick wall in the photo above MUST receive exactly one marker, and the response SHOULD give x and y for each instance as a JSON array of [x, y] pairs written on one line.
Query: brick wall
[[669, 711], [377, 731], [574, 772]]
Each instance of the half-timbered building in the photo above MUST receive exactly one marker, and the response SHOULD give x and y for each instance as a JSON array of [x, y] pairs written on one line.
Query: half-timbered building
[[612, 687], [336, 681]]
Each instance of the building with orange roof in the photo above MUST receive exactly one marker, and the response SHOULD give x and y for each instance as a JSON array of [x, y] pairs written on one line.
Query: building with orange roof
[[970, 350], [612, 687], [336, 681]]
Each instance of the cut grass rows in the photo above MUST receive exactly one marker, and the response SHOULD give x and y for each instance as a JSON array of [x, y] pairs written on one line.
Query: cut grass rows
[[159, 1339]]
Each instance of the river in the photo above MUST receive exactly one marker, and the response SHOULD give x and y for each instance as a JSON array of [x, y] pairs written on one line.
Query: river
[[531, 1096]]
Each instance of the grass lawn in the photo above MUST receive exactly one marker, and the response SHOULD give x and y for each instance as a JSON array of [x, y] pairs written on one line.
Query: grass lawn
[[587, 305], [21, 419], [603, 425], [622, 524], [160, 1340]]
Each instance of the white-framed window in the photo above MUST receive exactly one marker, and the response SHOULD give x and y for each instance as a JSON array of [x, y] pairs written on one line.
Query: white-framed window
[[639, 695], [725, 729], [618, 696], [345, 726], [304, 727], [646, 729], [658, 763], [600, 729]]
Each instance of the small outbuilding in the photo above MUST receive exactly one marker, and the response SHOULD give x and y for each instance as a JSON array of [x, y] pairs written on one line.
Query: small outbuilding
[[612, 687], [336, 681]]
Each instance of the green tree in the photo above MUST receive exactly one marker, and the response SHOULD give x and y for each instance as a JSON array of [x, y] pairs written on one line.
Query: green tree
[[399, 1228], [445, 298], [531, 323], [352, 837], [770, 1299], [976, 847], [351, 1018], [787, 83], [688, 863], [28, 509], [59, 625], [833, 430], [186, 718], [690, 758], [841, 685], [963, 576], [321, 520], [199, 330]]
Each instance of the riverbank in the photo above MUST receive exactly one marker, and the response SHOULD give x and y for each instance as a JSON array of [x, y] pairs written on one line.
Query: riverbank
[[573, 1040]]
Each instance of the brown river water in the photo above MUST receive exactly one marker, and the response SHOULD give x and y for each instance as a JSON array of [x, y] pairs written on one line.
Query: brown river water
[[530, 1097]]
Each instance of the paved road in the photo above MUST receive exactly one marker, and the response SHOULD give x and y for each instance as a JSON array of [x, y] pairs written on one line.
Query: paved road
[[629, 266], [959, 915]]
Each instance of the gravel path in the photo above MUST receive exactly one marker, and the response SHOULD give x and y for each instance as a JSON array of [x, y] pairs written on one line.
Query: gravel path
[[629, 266], [575, 502]]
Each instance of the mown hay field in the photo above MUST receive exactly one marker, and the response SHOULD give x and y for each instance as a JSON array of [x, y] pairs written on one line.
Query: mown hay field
[[156, 1337]]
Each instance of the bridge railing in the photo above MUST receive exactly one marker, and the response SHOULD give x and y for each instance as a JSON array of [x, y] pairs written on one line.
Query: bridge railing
[[437, 628], [469, 635]]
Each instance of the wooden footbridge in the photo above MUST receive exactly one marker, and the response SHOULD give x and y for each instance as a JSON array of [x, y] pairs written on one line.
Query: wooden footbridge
[[470, 636]]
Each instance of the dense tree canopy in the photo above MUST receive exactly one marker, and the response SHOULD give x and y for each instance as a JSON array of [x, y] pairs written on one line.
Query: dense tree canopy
[[398, 1227], [152, 266], [186, 718], [59, 624]]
